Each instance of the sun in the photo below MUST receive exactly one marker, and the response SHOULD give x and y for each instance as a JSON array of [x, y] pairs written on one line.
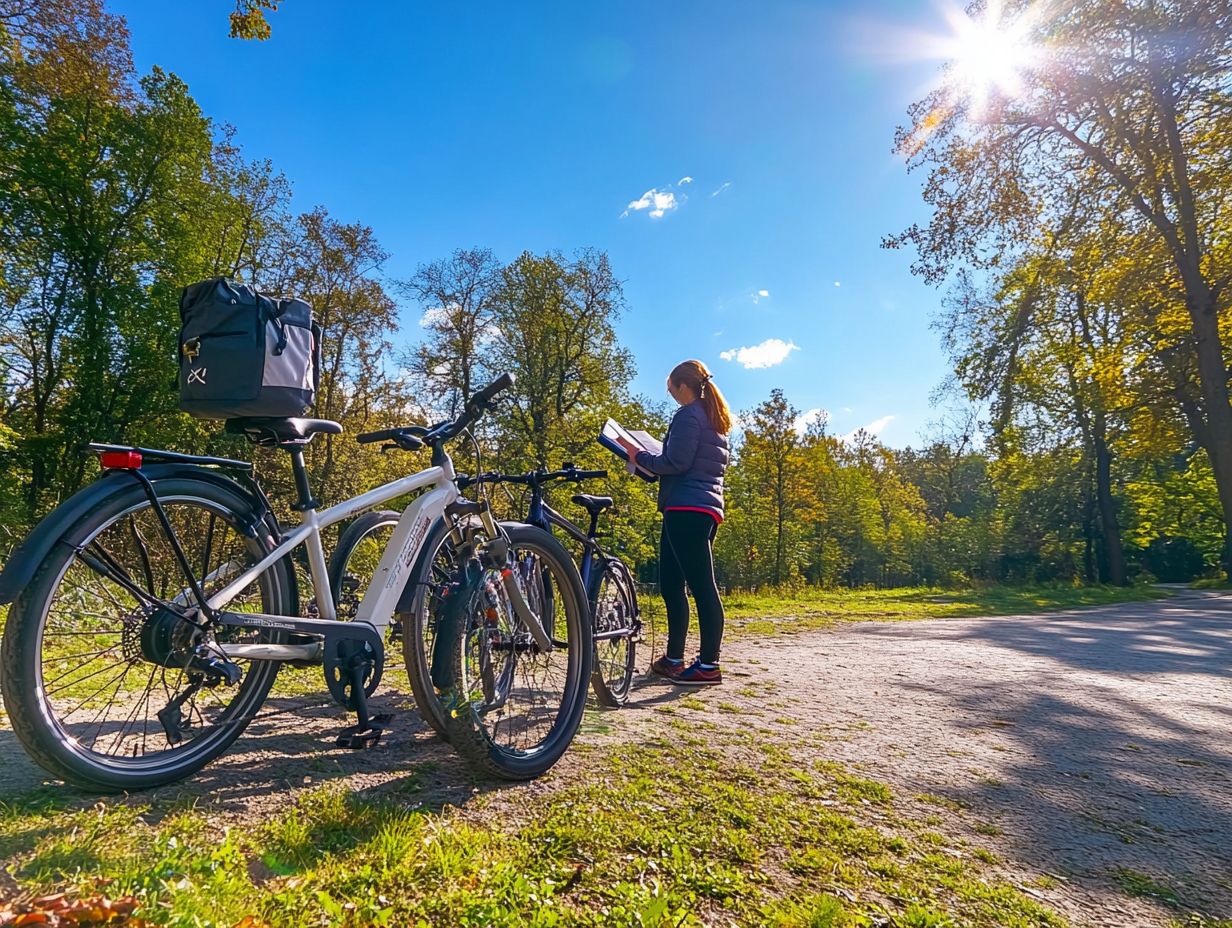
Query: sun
[[987, 54]]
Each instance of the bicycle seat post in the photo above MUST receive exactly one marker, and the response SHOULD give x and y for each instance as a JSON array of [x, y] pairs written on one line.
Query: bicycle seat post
[[302, 490]]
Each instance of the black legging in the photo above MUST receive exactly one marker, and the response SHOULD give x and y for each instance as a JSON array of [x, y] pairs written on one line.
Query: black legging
[[685, 556]]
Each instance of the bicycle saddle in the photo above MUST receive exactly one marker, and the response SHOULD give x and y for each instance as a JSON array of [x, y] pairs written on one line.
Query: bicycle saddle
[[265, 431], [593, 504]]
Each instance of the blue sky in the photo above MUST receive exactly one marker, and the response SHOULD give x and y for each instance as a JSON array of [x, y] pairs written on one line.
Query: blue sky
[[537, 126]]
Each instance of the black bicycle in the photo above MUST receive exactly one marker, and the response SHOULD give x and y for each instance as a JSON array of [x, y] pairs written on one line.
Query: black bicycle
[[611, 594], [610, 591]]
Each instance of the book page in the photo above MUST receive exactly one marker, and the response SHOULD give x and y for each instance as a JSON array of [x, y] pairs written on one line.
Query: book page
[[648, 442], [613, 430]]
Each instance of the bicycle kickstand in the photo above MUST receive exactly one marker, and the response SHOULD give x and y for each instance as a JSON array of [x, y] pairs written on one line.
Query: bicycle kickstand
[[364, 734]]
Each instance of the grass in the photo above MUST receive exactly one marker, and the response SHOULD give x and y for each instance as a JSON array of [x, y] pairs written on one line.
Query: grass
[[664, 834], [1211, 583], [789, 611], [1134, 883]]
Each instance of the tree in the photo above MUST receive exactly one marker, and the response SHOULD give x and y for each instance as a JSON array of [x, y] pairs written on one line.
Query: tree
[[771, 451], [1052, 342], [335, 266], [458, 294], [555, 329], [1128, 114], [248, 20], [98, 174]]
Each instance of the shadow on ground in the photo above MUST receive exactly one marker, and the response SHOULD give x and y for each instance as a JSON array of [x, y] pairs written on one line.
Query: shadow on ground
[[1111, 730]]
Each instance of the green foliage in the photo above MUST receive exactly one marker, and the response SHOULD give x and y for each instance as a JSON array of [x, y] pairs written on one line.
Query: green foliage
[[117, 190], [248, 20], [1083, 221]]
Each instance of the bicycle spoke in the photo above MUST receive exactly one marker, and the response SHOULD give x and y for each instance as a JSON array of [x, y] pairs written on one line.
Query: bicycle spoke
[[90, 654], [120, 677], [119, 579], [132, 716], [50, 692]]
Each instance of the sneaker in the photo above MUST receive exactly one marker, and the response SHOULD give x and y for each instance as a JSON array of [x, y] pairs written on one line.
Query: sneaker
[[696, 675], [665, 668]]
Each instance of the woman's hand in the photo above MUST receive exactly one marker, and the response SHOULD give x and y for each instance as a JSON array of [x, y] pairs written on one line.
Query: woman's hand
[[630, 449]]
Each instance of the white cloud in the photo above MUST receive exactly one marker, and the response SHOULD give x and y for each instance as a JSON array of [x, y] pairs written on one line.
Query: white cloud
[[434, 316], [873, 428], [837, 284], [657, 201], [684, 180], [805, 419], [760, 295], [723, 186], [769, 353]]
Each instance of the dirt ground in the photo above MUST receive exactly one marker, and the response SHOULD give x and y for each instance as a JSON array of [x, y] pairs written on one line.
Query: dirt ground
[[1090, 747]]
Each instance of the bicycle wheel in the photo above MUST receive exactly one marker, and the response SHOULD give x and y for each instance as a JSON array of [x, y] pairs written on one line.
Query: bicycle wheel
[[107, 683], [513, 709], [616, 624], [354, 562]]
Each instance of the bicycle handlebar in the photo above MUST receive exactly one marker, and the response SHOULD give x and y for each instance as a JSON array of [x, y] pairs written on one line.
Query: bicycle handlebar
[[411, 437], [397, 436], [499, 385], [532, 478]]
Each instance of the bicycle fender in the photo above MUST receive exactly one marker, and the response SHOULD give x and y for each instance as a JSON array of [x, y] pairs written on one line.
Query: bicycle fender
[[21, 566], [452, 608]]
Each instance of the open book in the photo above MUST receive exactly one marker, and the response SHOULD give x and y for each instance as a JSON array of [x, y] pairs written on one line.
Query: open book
[[643, 440]]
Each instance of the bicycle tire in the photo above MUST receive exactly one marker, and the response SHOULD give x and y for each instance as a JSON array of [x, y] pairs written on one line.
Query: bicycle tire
[[615, 659], [28, 697], [467, 719]]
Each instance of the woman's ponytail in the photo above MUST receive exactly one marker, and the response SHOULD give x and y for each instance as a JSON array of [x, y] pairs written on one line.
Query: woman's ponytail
[[695, 376]]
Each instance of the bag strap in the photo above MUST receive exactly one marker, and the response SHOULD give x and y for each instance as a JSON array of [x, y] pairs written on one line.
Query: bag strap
[[272, 315]]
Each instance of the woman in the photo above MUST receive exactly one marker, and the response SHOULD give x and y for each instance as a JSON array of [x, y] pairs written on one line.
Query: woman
[[691, 471]]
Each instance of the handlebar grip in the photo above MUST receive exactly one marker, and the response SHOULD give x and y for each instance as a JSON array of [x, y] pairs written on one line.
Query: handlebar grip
[[367, 438], [591, 474], [501, 383], [400, 437]]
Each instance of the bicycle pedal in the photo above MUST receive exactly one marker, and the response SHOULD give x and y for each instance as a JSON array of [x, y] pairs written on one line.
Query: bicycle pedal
[[358, 740]]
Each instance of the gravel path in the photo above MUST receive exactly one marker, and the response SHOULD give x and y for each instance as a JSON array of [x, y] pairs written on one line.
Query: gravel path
[[1083, 745], [1088, 746]]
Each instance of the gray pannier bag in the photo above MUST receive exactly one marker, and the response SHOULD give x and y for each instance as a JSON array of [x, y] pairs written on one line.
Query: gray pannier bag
[[243, 353]]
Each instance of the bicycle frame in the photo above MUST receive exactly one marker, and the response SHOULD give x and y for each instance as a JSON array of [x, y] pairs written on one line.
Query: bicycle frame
[[544, 516], [400, 555]]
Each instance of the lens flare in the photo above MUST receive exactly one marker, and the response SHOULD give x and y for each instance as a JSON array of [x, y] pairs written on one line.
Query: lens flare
[[987, 54]]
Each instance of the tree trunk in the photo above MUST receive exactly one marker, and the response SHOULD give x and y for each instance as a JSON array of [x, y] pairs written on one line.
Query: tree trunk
[[1212, 373], [1114, 552]]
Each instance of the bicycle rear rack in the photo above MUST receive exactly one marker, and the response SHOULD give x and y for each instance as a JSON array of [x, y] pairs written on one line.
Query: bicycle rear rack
[[168, 457]]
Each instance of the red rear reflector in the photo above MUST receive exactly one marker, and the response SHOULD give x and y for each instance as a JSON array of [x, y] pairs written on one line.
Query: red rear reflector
[[120, 460]]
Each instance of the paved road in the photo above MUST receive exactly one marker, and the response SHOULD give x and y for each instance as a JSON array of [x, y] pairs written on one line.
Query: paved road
[[1092, 740]]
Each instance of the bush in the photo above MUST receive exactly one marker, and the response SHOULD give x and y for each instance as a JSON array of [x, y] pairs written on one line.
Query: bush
[[1173, 560]]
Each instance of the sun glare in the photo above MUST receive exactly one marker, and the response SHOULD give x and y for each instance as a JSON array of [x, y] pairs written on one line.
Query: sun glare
[[988, 54]]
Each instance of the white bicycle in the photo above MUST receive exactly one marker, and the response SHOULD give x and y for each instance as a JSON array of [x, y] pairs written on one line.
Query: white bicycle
[[152, 611]]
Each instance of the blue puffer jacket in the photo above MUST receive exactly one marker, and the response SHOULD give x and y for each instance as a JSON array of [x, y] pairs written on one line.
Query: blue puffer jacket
[[692, 464]]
